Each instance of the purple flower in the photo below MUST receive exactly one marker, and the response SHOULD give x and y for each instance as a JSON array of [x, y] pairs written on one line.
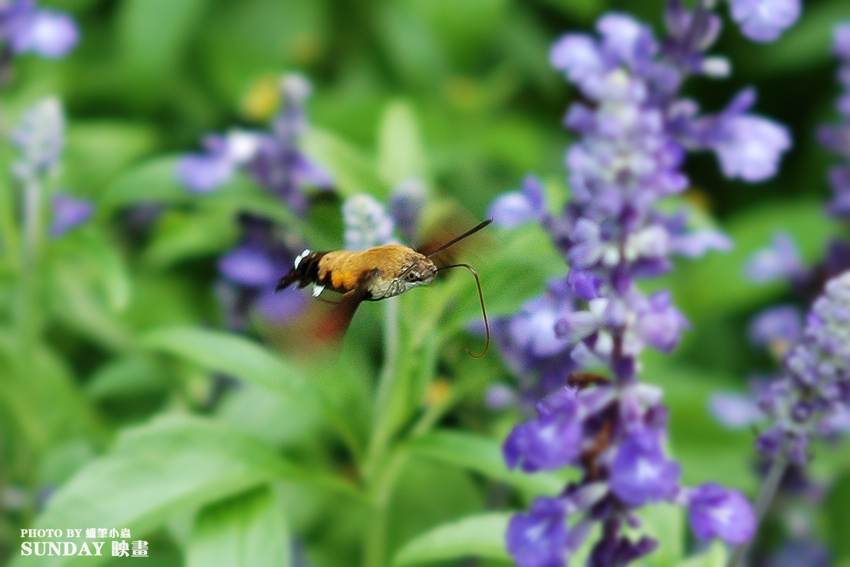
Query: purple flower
[[202, 173], [552, 440], [734, 410], [68, 213], [765, 20], [716, 512], [641, 473], [406, 204], [519, 207], [816, 384], [533, 327], [539, 538], [272, 159], [633, 130], [27, 29], [780, 325], [659, 323], [780, 261]]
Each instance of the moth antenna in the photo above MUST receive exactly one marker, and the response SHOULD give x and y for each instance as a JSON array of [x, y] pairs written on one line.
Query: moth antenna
[[480, 293], [469, 232]]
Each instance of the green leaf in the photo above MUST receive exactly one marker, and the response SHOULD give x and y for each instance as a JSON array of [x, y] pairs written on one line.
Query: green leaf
[[715, 556], [665, 523], [400, 152], [153, 181], [484, 456], [478, 536], [352, 172], [97, 150], [249, 529], [160, 469], [152, 35], [107, 266], [836, 520], [180, 236], [233, 355]]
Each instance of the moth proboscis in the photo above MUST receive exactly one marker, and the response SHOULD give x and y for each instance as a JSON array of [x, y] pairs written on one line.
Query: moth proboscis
[[375, 274]]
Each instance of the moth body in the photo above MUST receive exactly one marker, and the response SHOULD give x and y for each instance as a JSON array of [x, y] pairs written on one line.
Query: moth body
[[375, 274]]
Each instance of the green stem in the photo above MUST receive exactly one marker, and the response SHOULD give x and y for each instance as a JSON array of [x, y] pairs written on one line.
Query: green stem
[[765, 497], [380, 475]]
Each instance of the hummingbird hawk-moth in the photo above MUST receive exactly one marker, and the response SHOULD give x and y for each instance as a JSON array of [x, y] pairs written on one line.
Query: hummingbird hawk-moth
[[374, 274]]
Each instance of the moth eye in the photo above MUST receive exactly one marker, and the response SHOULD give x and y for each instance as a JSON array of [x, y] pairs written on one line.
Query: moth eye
[[412, 276]]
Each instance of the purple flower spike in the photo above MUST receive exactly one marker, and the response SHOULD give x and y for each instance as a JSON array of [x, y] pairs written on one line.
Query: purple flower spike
[[765, 20], [539, 538], [552, 440], [68, 213], [640, 473], [716, 512]]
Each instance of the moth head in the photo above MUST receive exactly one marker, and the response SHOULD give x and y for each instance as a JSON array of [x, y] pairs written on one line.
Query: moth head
[[418, 270]]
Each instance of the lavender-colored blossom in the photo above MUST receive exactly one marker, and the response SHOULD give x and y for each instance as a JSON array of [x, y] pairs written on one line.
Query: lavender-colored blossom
[[68, 212], [519, 207], [779, 327], [250, 271], [717, 512], [640, 473], [551, 441], [816, 384], [26, 29], [765, 20], [734, 410], [539, 538], [780, 261], [273, 158], [633, 132], [205, 172]]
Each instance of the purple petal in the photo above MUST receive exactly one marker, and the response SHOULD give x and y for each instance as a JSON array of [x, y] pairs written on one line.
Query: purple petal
[[69, 212], [202, 173], [765, 20], [640, 473], [782, 323], [780, 260], [577, 325], [841, 41], [539, 538], [550, 441], [533, 327], [578, 56], [734, 410], [749, 147], [249, 266], [717, 512], [45, 32], [282, 306], [511, 210]]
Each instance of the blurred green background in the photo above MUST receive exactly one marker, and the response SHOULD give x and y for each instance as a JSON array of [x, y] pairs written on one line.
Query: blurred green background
[[467, 86]]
